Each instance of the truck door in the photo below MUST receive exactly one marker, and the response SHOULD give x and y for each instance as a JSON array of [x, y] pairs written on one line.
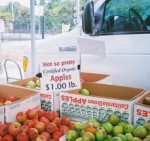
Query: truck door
[[124, 26]]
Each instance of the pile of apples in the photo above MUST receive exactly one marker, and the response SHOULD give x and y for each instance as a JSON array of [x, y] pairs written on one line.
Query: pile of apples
[[7, 100], [33, 84], [112, 130], [35, 125]]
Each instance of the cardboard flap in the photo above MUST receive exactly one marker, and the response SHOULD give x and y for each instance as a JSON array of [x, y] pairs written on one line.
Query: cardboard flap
[[111, 91]]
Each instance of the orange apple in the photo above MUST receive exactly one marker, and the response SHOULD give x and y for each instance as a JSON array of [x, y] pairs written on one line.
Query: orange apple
[[29, 122], [44, 120], [3, 129], [65, 121], [8, 137], [41, 138], [48, 136], [49, 115], [14, 128], [31, 114], [40, 113], [40, 126], [25, 128], [57, 121], [56, 135], [21, 117], [22, 137], [51, 127], [32, 133]]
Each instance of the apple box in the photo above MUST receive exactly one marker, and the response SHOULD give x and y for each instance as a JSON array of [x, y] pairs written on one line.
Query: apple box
[[47, 99], [24, 82], [104, 100], [96, 78], [1, 113], [24, 99], [141, 111]]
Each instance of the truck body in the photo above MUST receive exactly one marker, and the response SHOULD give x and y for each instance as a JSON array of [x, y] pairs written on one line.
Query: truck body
[[113, 38]]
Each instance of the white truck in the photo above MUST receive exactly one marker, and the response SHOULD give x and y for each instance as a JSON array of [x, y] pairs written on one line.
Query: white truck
[[113, 38]]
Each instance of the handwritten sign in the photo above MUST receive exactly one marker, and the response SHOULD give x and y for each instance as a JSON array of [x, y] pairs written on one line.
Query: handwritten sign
[[60, 72]]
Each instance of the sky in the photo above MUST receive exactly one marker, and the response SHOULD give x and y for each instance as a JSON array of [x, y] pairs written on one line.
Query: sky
[[23, 2]]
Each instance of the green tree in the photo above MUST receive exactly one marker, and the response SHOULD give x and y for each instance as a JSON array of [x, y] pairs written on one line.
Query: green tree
[[56, 13]]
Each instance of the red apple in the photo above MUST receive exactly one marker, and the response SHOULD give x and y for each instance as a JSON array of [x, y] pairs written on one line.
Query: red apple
[[29, 122], [8, 137], [2, 99], [11, 98], [31, 114], [65, 121], [35, 120], [40, 126], [25, 128], [51, 127], [32, 133], [41, 138], [3, 129], [14, 128], [21, 117], [56, 135], [7, 124], [46, 134], [57, 121], [22, 137], [64, 129], [49, 115], [40, 113], [1, 138], [55, 113], [44, 120]]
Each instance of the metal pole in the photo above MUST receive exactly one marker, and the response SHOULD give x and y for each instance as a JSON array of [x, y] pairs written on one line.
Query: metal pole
[[12, 10], [33, 58], [78, 11]]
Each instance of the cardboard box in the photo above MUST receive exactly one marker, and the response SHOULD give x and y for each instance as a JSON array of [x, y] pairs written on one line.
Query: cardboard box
[[26, 99], [1, 114], [50, 101], [96, 78], [141, 111], [23, 82], [104, 100]]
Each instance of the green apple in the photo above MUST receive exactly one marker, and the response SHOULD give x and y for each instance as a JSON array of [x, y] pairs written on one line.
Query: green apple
[[78, 126], [122, 123], [79, 139], [100, 134], [84, 91], [117, 130], [147, 126], [113, 119], [95, 124], [7, 102], [108, 137], [31, 84], [136, 139], [129, 128], [116, 139], [129, 136], [147, 137], [71, 135], [123, 137], [108, 127], [140, 132], [88, 136], [37, 83]]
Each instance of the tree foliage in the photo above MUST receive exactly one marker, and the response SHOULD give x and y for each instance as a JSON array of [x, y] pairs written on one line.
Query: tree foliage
[[56, 12]]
